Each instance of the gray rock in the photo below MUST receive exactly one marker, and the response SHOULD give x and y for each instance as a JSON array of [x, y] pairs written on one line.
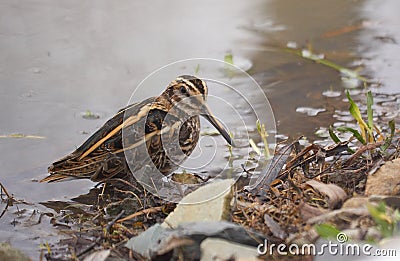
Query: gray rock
[[157, 241], [208, 203], [356, 202], [218, 249], [386, 181]]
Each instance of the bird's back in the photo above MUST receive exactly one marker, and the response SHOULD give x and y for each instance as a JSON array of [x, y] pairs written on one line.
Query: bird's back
[[96, 158]]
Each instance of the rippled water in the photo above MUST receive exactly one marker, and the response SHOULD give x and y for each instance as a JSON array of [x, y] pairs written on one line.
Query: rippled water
[[60, 59]]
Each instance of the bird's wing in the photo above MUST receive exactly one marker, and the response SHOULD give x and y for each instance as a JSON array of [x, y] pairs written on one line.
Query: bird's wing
[[102, 151]]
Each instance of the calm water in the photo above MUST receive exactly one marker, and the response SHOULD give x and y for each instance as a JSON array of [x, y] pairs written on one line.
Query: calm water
[[58, 60]]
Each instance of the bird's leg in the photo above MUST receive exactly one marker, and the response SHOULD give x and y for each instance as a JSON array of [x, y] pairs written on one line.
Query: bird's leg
[[101, 195], [96, 175]]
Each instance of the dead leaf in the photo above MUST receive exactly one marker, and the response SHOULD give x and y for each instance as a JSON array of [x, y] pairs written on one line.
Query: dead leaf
[[336, 195], [275, 228]]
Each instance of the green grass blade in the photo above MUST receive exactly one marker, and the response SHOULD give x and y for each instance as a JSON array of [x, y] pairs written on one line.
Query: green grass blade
[[354, 110], [354, 132], [370, 112], [388, 140], [333, 135], [254, 146], [345, 71]]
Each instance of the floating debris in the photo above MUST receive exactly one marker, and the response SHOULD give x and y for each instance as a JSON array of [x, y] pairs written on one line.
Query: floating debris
[[322, 132], [242, 63], [197, 69], [291, 44], [20, 136], [347, 118], [345, 30], [309, 55], [36, 70], [310, 111], [331, 93], [350, 82], [228, 58], [281, 137], [88, 115]]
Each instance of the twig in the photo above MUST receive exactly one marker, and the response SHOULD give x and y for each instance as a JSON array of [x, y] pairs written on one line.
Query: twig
[[361, 150], [125, 182], [90, 247], [132, 193], [5, 190], [112, 222], [4, 211], [9, 200], [141, 212]]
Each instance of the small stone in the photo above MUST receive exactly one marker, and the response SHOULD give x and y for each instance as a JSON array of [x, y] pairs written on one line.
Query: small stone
[[356, 202], [385, 181], [218, 249]]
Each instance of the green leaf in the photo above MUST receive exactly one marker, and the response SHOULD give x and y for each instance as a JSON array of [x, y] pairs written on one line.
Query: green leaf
[[258, 124], [326, 230], [355, 112], [197, 69], [228, 58], [370, 113], [388, 140], [333, 135], [354, 132], [254, 146], [382, 218]]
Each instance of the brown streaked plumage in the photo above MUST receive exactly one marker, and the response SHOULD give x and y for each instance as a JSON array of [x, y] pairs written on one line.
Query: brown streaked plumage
[[145, 128]]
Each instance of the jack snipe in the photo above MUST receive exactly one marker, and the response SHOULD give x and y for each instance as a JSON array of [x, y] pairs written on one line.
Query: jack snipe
[[143, 130]]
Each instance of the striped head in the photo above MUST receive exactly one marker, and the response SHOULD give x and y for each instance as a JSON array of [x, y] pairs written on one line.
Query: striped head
[[188, 94]]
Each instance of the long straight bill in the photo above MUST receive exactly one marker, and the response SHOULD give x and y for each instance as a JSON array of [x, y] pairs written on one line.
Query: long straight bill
[[213, 120]]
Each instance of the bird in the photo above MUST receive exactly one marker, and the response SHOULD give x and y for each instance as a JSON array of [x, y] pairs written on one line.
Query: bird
[[164, 130]]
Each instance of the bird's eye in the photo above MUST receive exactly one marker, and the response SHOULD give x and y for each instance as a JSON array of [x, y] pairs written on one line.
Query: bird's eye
[[183, 90]]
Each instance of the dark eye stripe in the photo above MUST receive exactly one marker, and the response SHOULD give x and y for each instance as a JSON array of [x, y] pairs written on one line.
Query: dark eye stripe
[[195, 83], [199, 85]]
